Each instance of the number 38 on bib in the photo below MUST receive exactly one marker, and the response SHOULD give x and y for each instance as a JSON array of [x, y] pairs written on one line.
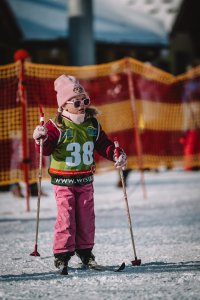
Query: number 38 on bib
[[80, 154]]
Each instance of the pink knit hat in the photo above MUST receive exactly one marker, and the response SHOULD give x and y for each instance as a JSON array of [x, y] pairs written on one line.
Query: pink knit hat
[[67, 87]]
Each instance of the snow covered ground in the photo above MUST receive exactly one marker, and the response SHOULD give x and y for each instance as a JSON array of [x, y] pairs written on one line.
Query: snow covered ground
[[166, 228]]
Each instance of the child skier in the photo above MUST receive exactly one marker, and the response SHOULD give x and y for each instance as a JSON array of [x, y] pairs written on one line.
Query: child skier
[[71, 138]]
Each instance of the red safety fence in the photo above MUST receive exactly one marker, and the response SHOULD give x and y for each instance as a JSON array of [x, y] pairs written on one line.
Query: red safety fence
[[154, 115]]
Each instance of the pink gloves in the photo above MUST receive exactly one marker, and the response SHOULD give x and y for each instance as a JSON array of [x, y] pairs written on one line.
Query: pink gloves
[[40, 132]]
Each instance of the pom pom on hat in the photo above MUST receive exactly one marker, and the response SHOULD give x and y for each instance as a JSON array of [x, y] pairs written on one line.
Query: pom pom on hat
[[67, 87]]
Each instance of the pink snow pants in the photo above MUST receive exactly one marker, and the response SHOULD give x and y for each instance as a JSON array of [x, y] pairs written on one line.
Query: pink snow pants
[[75, 224]]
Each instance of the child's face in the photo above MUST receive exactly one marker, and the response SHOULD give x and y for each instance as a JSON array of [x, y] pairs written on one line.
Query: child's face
[[77, 105]]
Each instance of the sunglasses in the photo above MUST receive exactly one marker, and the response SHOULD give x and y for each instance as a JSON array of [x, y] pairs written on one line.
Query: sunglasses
[[77, 103]]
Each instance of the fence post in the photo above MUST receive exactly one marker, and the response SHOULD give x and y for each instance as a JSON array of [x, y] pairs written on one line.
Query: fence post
[[25, 144], [136, 129]]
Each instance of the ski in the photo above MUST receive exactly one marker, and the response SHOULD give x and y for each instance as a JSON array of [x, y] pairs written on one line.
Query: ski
[[101, 268], [108, 268]]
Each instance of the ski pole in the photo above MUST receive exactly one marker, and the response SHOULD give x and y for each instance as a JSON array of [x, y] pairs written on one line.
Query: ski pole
[[136, 261], [35, 252]]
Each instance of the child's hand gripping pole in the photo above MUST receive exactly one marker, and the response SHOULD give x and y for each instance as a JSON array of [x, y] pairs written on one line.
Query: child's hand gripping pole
[[117, 155], [135, 262], [35, 252]]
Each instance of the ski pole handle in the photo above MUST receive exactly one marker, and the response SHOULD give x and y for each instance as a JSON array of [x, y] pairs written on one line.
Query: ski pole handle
[[117, 153], [41, 116]]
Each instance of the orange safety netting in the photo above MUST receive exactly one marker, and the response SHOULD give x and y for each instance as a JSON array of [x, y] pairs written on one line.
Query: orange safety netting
[[154, 115]]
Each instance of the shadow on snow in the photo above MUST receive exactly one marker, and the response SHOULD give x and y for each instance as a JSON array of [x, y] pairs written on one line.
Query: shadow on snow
[[153, 267], [159, 267]]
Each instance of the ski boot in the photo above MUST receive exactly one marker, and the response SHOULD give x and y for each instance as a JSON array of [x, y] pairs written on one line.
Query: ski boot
[[87, 257], [61, 262]]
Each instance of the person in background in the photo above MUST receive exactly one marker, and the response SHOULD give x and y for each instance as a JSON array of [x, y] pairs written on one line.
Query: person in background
[[71, 137], [125, 174], [191, 126]]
